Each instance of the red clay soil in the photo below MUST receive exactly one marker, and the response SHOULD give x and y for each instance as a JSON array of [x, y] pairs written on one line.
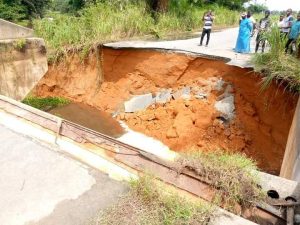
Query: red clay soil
[[260, 128]]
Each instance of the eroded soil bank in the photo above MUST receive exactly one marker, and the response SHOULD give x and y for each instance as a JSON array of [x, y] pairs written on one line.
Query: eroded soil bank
[[259, 128]]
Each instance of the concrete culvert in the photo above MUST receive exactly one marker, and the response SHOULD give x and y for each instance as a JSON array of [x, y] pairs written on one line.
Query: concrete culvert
[[273, 194], [216, 106]]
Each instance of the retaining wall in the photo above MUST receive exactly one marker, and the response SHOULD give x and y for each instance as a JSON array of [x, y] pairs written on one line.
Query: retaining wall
[[10, 30]]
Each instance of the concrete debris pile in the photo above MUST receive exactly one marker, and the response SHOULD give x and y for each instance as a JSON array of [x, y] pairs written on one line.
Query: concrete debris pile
[[142, 102]]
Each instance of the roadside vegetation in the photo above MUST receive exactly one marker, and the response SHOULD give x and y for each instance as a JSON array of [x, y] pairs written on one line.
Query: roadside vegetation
[[105, 22], [233, 175], [276, 65], [45, 104], [150, 202]]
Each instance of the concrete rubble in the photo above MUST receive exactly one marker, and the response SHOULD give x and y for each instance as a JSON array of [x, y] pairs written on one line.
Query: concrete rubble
[[138, 102], [184, 93], [163, 96], [225, 103]]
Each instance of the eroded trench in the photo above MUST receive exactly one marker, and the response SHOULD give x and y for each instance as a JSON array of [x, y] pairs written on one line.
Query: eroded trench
[[196, 103]]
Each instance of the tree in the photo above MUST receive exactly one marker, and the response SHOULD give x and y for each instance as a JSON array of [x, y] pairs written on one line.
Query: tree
[[257, 8], [158, 5], [10, 10], [16, 10]]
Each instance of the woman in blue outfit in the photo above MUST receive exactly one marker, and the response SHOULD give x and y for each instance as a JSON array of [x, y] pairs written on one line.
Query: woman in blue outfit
[[243, 40]]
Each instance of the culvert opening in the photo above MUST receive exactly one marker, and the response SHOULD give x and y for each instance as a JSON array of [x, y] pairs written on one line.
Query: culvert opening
[[186, 102]]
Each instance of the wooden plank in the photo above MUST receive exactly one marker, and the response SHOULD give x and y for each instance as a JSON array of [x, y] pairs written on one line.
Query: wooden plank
[[292, 149]]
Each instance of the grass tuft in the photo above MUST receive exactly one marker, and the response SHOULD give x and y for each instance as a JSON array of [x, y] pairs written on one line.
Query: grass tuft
[[277, 66], [231, 174], [150, 202], [45, 104]]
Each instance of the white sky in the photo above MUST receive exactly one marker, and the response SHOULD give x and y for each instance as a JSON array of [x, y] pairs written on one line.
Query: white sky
[[280, 4]]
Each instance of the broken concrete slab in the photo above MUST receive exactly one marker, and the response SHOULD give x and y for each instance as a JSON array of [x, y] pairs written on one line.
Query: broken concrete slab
[[138, 102], [218, 85], [226, 107], [163, 96], [184, 93]]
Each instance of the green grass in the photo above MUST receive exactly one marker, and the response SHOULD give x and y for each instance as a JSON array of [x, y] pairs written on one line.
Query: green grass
[[277, 66], [150, 202], [231, 174], [104, 22], [45, 104]]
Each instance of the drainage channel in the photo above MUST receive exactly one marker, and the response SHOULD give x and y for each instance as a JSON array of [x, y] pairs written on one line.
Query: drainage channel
[[193, 102], [137, 159]]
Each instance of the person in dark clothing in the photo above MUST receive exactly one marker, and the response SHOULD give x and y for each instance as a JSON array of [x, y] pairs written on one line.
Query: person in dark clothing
[[262, 27], [294, 34], [208, 19]]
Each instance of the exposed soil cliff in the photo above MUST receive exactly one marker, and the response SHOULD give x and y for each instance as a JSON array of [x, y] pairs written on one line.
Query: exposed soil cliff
[[262, 118]]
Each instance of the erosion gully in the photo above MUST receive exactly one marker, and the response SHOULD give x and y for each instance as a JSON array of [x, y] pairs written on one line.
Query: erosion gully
[[195, 103], [251, 120]]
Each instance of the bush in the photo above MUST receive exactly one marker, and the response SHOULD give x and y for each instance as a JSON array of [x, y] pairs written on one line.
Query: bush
[[275, 65]]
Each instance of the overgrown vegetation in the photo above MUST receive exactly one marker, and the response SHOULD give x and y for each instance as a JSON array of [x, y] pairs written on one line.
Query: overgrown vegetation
[[233, 175], [45, 104], [150, 202], [276, 65], [18, 10], [104, 22]]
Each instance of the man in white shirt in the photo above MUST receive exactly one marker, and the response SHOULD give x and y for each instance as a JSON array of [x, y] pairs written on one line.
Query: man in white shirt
[[208, 19], [287, 22]]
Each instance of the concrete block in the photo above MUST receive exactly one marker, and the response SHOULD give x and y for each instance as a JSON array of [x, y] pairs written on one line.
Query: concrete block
[[138, 102], [163, 96], [226, 107], [10, 30], [184, 93]]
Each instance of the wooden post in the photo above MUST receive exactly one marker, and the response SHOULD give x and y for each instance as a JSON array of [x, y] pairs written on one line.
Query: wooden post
[[292, 149]]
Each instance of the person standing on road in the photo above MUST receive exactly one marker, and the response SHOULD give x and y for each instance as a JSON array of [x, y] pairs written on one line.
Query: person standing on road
[[262, 27], [243, 40], [287, 22], [208, 19], [294, 34]]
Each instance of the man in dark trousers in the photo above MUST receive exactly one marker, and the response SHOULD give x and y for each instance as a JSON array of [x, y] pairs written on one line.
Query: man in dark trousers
[[208, 19], [294, 34], [262, 27]]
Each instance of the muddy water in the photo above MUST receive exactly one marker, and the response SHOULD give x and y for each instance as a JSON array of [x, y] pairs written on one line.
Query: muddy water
[[89, 117]]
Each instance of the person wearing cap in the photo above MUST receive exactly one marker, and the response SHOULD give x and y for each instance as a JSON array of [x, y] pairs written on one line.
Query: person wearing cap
[[262, 27], [287, 22], [294, 34], [243, 39]]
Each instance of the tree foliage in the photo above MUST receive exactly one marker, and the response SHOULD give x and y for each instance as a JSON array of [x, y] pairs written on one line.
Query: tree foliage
[[15, 10]]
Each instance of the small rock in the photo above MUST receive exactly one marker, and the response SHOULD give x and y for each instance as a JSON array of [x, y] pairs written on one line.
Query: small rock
[[184, 93], [200, 144], [201, 95], [163, 96], [226, 107], [122, 116], [172, 133], [227, 132], [218, 85], [138, 102]]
